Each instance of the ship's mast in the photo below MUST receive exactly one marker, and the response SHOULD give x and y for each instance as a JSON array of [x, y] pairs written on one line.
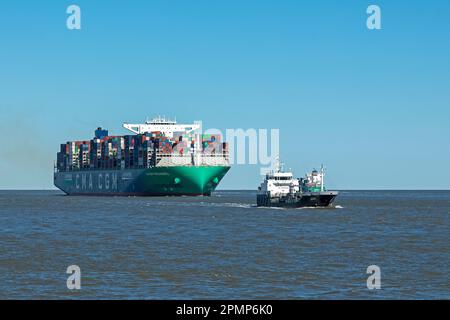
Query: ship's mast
[[277, 164], [322, 175]]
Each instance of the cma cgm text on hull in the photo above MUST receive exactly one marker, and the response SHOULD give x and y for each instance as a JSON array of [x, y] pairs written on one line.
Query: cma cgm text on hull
[[162, 157]]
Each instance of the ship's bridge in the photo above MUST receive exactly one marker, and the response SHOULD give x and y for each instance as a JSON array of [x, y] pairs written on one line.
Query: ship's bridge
[[279, 183], [282, 176], [167, 126]]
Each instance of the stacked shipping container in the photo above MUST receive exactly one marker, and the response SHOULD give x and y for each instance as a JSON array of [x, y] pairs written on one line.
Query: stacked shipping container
[[133, 151]]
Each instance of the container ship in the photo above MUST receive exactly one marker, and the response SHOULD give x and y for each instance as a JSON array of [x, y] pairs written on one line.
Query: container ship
[[160, 158]]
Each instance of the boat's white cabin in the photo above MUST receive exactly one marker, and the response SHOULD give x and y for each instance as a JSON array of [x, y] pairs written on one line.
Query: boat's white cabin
[[279, 184]]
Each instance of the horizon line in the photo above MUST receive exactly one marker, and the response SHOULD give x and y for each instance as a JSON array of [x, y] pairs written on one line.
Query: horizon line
[[336, 189]]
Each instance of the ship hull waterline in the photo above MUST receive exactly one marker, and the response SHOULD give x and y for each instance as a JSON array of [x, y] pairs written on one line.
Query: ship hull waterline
[[305, 200], [154, 181]]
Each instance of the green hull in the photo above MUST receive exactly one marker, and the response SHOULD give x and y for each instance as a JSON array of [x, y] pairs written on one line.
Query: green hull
[[156, 181]]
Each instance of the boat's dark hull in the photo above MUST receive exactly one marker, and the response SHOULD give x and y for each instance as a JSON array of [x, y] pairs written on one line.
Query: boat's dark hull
[[313, 199]]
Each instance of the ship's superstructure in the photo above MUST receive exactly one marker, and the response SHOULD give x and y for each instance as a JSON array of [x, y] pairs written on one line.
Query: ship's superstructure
[[279, 183], [160, 158], [169, 127], [281, 189], [314, 181]]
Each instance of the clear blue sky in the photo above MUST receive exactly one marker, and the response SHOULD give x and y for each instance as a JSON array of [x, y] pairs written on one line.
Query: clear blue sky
[[374, 106]]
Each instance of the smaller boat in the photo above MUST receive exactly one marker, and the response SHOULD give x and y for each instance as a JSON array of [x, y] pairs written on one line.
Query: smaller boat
[[281, 189]]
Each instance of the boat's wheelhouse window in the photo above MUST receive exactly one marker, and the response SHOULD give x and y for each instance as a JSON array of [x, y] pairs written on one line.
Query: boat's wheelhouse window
[[282, 178]]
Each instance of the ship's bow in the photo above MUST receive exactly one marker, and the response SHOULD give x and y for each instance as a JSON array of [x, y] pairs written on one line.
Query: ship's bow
[[182, 180]]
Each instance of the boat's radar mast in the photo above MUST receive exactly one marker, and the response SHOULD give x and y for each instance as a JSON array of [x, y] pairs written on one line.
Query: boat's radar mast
[[322, 175], [278, 165]]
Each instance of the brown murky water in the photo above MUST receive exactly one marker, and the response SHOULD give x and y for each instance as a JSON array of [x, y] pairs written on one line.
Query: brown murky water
[[223, 247]]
